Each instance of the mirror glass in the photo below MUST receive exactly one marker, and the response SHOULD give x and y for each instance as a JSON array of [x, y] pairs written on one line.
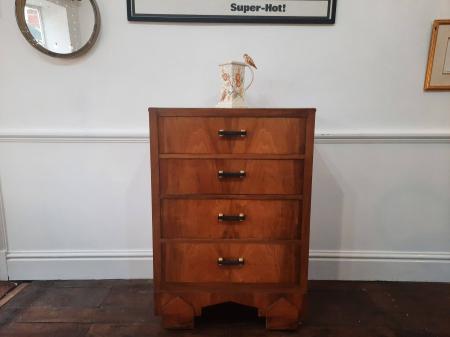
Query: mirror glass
[[60, 27]]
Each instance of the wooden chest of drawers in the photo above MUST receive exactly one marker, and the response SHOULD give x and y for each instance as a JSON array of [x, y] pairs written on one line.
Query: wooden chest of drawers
[[231, 194]]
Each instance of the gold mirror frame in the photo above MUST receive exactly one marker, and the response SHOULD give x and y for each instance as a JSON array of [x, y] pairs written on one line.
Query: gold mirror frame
[[20, 17]]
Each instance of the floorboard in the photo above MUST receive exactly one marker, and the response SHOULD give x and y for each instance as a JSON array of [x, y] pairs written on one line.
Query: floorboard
[[6, 287], [125, 308]]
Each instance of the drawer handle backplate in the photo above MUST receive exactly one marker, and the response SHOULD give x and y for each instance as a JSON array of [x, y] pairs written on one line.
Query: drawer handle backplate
[[232, 134], [223, 217], [230, 262], [222, 174]]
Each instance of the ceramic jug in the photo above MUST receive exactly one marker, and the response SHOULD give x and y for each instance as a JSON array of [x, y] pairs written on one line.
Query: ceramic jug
[[232, 93]]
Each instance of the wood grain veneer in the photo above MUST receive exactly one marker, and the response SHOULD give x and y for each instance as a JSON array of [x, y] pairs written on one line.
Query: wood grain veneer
[[200, 176], [259, 255], [199, 135], [199, 219], [197, 262]]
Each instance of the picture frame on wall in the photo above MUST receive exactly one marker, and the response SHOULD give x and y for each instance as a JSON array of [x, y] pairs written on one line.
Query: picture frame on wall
[[234, 11], [438, 67]]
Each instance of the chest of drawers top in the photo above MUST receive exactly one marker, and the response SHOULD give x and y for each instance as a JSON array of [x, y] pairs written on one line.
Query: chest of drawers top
[[231, 204]]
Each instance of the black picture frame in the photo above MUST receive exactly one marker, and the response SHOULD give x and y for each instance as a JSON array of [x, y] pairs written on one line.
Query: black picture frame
[[328, 20]]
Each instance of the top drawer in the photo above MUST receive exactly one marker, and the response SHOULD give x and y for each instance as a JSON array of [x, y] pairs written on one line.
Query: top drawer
[[262, 135]]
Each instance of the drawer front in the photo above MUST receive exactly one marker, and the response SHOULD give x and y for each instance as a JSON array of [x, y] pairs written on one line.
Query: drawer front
[[262, 263], [188, 176], [230, 219], [201, 135]]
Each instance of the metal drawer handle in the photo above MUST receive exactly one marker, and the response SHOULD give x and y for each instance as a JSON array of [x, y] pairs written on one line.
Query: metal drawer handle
[[230, 262], [222, 174], [224, 133], [239, 217]]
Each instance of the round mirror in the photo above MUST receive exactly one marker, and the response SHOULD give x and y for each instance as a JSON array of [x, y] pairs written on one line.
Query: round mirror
[[61, 28]]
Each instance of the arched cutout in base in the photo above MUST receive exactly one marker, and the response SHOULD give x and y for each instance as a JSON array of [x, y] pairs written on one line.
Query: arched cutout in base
[[229, 312]]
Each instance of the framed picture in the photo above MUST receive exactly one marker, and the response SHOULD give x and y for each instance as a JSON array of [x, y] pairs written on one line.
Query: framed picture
[[234, 11], [438, 68]]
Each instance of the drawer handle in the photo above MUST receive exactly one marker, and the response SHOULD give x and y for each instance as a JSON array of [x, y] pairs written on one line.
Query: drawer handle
[[230, 262], [222, 174], [239, 217], [230, 134]]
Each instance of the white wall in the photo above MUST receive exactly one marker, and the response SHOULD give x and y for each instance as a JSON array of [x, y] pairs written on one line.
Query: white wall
[[3, 242], [74, 164]]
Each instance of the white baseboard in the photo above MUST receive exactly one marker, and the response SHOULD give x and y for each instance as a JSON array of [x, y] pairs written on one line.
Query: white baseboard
[[380, 266], [80, 265], [324, 265], [3, 266]]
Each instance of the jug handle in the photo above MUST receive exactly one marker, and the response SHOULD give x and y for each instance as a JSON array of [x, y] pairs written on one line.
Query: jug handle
[[253, 76]]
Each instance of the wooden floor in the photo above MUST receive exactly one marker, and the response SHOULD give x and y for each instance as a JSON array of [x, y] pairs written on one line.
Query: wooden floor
[[125, 309], [6, 287]]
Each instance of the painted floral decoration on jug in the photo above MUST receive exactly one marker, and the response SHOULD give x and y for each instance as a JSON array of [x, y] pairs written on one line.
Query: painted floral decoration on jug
[[232, 74]]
